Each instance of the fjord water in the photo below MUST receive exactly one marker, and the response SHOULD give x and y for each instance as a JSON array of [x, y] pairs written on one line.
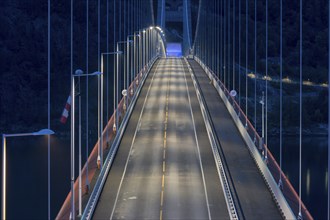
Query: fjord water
[[27, 173]]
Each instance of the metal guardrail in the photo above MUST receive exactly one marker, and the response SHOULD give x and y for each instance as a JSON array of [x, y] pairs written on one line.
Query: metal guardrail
[[92, 202], [221, 172], [286, 197]]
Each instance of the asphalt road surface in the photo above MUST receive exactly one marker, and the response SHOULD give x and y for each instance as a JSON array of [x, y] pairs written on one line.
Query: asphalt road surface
[[255, 199], [164, 168]]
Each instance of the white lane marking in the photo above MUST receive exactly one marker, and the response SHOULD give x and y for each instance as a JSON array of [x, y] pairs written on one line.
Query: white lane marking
[[197, 145], [122, 178], [139, 126]]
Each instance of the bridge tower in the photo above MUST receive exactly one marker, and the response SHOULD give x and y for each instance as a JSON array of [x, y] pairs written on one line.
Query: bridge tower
[[174, 16]]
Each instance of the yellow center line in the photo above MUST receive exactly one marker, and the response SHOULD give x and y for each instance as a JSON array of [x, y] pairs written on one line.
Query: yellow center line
[[164, 155], [163, 181], [162, 199]]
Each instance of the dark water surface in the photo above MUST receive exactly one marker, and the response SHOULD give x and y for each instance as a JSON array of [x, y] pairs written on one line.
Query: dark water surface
[[314, 170], [27, 174]]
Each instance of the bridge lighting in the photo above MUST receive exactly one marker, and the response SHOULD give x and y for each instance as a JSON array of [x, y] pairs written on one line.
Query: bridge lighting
[[151, 27], [287, 80], [4, 163], [262, 102], [116, 53], [78, 73], [233, 93], [252, 75], [307, 83], [124, 93], [268, 78], [324, 84]]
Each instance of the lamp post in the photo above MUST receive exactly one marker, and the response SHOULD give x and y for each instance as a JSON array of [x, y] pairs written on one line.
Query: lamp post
[[100, 150], [141, 33], [128, 63], [78, 73], [4, 162], [127, 45], [144, 49], [136, 57], [261, 144], [115, 86]]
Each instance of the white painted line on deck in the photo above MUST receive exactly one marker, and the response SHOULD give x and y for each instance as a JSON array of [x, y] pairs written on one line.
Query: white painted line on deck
[[136, 130], [197, 145]]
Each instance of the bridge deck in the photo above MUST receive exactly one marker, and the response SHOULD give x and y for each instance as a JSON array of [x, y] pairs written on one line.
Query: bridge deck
[[254, 197], [164, 167]]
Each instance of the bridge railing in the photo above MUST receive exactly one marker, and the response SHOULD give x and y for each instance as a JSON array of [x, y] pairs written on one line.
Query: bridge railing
[[148, 45], [285, 186], [108, 137]]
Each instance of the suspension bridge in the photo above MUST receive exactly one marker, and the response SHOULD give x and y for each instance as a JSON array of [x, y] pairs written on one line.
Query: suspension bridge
[[179, 137]]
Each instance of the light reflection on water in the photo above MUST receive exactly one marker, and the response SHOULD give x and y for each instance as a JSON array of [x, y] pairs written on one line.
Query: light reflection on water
[[314, 169]]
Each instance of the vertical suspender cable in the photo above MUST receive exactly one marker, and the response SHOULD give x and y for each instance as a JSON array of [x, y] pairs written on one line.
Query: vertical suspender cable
[[300, 104], [120, 27], [217, 25], [72, 115], [214, 46], [114, 66], [214, 36], [197, 26], [128, 18], [206, 38], [118, 66], [228, 45], [224, 42], [281, 87], [217, 40], [99, 69], [239, 51], [255, 67], [266, 80], [128, 60], [221, 42], [125, 52], [107, 46], [87, 94], [246, 59], [48, 105], [328, 109], [234, 41], [203, 37], [124, 14]]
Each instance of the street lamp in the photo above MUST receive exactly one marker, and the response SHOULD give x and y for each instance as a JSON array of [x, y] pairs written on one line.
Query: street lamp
[[114, 90], [130, 63], [127, 45], [100, 150], [4, 161], [136, 58], [78, 73], [261, 143], [141, 49]]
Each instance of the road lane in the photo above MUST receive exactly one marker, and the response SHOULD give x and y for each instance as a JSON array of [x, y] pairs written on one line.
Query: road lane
[[254, 197], [165, 167]]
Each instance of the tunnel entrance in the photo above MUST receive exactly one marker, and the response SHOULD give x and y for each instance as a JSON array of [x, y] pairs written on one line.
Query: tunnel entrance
[[174, 50]]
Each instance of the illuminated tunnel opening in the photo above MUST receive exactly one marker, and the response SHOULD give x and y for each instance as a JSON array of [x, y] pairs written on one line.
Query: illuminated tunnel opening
[[174, 50]]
